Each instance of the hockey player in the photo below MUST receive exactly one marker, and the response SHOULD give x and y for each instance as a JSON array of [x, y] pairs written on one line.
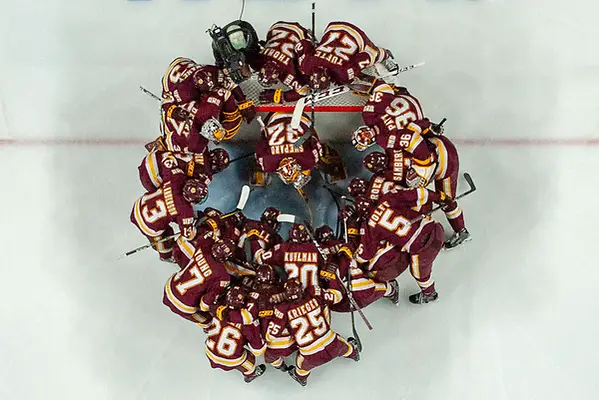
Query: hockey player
[[232, 329], [186, 81], [373, 189], [340, 56], [259, 235], [446, 181], [275, 152], [406, 172], [190, 292], [266, 293], [279, 63], [158, 165], [172, 202], [304, 314], [392, 227], [209, 232], [299, 256]]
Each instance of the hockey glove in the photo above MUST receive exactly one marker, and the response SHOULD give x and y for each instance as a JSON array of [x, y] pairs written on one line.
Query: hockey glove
[[271, 96], [248, 110]]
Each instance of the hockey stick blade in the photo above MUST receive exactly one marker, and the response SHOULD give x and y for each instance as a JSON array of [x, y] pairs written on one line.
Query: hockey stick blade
[[472, 189], [470, 182], [298, 110], [302, 139], [289, 218], [243, 198]]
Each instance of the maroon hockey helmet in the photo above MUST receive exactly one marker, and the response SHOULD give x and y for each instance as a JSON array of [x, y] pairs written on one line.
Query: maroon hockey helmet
[[265, 274], [269, 218], [212, 212], [204, 80], [269, 74], [320, 79], [223, 250], [293, 290], [219, 160], [363, 206], [375, 162], [238, 220], [357, 186], [195, 191], [324, 234], [236, 297], [298, 233]]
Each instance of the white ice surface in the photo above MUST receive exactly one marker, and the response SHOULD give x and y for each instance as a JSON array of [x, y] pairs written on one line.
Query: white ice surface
[[517, 316]]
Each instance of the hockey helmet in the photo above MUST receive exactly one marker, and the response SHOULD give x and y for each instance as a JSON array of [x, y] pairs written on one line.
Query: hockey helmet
[[363, 137], [213, 130], [298, 233], [269, 218], [195, 191], [219, 160], [357, 186], [375, 162]]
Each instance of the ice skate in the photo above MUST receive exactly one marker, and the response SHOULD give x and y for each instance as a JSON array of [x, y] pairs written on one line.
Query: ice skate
[[420, 297], [259, 371], [357, 347], [299, 379], [457, 239], [394, 295]]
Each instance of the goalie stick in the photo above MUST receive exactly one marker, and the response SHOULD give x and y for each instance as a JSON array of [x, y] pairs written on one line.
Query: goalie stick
[[292, 219], [472, 189], [298, 110], [243, 198]]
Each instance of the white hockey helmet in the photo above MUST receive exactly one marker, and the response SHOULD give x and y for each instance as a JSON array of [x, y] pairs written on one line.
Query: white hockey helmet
[[213, 130]]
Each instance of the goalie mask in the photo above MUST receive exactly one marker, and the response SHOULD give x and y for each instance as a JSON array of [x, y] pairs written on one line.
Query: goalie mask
[[420, 172], [319, 79], [269, 74], [363, 137], [291, 173], [213, 130]]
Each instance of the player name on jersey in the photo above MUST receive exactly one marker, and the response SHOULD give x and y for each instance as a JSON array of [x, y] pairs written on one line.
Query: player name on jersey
[[286, 149], [297, 256], [277, 55], [303, 309], [202, 264]]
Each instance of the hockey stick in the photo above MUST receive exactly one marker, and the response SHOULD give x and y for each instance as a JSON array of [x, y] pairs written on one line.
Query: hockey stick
[[333, 189], [472, 189], [292, 219], [351, 308], [242, 157], [147, 246], [333, 92], [243, 198], [146, 91], [338, 209]]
